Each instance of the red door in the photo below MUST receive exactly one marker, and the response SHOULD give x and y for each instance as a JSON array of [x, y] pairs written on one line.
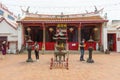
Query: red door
[[112, 42]]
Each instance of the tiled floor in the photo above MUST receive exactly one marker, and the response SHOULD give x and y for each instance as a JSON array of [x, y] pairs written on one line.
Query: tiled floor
[[15, 67]]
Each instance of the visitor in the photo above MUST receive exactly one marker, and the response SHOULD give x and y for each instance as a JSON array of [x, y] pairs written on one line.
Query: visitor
[[3, 48], [97, 46], [36, 49], [82, 45]]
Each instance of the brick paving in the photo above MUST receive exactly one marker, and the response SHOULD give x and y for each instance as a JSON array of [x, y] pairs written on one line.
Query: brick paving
[[15, 67]]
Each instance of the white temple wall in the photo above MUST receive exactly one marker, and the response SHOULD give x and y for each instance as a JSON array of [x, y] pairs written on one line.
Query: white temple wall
[[7, 30], [105, 39], [11, 34], [20, 38]]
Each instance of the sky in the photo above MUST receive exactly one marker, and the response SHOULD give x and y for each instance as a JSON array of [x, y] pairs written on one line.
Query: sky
[[111, 7]]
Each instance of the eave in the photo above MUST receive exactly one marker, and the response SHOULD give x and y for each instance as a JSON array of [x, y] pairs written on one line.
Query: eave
[[63, 21]]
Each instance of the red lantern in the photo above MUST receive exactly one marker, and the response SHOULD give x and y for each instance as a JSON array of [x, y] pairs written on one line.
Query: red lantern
[[71, 29], [51, 29]]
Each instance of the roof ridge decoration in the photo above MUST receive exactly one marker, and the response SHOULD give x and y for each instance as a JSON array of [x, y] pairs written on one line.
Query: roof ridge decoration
[[13, 25], [95, 13]]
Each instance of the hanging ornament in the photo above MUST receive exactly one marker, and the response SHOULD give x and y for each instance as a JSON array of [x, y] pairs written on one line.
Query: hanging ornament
[[95, 29], [51, 29], [71, 29]]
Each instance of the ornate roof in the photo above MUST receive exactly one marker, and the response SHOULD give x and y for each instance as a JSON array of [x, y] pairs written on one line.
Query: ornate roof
[[92, 16], [64, 19]]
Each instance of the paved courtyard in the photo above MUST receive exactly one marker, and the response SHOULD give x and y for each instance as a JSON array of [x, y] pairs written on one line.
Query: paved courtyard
[[15, 67]]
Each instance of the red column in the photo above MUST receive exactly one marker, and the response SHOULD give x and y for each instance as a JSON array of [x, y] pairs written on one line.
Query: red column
[[114, 42], [79, 35], [43, 45], [23, 34], [101, 34]]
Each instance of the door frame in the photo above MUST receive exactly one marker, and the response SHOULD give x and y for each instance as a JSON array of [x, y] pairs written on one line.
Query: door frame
[[111, 40]]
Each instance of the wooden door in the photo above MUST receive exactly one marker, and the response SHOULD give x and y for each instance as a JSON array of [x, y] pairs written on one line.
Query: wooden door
[[112, 42]]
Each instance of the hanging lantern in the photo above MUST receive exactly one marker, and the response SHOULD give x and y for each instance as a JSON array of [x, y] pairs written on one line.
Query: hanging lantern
[[95, 29], [28, 29], [58, 25], [65, 25], [71, 29], [62, 25], [51, 29]]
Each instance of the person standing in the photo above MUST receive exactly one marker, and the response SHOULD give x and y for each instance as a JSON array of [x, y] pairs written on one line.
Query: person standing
[[97, 46], [3, 48], [36, 49], [82, 45]]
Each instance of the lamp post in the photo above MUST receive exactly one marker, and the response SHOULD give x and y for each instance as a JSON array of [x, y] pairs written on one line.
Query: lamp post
[[29, 49], [90, 49]]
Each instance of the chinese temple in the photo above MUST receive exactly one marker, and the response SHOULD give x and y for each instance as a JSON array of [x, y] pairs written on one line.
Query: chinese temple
[[43, 27]]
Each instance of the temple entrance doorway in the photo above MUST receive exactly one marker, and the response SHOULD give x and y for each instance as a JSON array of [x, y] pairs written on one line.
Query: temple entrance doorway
[[111, 42], [72, 32], [50, 32], [91, 32], [35, 33]]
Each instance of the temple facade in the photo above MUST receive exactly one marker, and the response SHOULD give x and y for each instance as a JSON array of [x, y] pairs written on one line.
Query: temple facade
[[42, 27]]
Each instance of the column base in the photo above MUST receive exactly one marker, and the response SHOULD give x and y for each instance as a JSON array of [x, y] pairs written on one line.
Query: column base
[[29, 60], [90, 60]]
